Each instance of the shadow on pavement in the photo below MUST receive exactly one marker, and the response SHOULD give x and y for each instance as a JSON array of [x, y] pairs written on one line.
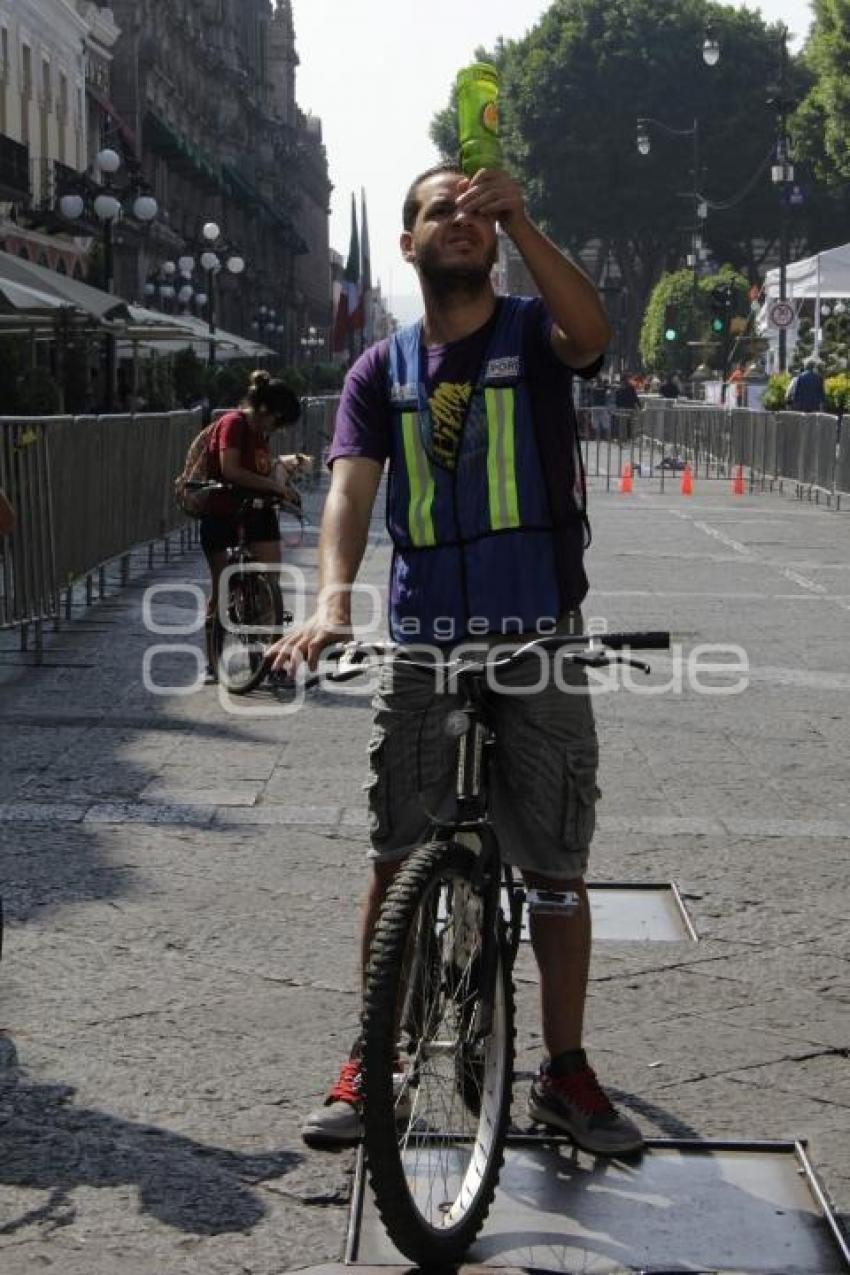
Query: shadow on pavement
[[48, 1144]]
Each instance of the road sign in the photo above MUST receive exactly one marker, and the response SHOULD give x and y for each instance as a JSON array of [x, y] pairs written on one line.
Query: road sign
[[781, 314]]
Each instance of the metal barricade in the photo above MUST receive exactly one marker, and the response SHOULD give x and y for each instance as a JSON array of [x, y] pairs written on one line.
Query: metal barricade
[[28, 582], [315, 431], [842, 461], [713, 440], [85, 490]]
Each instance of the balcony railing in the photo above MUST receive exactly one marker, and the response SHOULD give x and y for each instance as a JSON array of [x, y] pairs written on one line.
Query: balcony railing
[[14, 170]]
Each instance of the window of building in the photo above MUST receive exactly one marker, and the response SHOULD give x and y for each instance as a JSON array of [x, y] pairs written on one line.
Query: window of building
[[62, 103], [46, 87], [4, 53]]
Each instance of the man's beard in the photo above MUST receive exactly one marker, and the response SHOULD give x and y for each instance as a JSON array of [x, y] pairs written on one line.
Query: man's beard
[[457, 281]]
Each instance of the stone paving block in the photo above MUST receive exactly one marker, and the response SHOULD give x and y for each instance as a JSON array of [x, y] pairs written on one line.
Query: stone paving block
[[162, 792], [825, 1077], [278, 814], [42, 812]]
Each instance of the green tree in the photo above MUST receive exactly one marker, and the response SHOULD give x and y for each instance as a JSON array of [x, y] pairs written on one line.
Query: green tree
[[572, 91], [824, 118]]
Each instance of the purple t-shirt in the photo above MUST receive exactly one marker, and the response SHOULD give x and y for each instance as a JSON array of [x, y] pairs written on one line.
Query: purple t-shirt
[[364, 417]]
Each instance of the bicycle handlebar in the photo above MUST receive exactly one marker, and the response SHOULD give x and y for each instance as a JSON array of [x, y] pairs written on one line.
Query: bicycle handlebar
[[245, 494], [352, 657]]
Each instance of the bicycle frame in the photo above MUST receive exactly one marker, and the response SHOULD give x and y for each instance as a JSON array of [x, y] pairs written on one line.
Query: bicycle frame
[[474, 758]]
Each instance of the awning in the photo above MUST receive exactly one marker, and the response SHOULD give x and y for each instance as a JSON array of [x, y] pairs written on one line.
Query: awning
[[165, 333], [93, 302], [18, 299]]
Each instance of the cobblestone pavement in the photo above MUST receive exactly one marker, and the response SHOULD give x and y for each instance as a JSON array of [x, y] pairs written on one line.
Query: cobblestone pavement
[[178, 982]]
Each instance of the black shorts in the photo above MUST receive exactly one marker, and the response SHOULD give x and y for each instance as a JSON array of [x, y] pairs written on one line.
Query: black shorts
[[221, 531]]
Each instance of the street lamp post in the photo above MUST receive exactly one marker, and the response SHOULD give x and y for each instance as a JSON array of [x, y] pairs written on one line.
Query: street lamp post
[[782, 171], [644, 146], [782, 176], [266, 326], [311, 342], [211, 263], [108, 209]]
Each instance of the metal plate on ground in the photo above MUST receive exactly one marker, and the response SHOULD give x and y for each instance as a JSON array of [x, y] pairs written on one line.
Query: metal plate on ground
[[716, 1208], [627, 913]]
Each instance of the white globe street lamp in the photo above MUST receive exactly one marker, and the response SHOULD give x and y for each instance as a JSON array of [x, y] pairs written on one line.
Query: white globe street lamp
[[145, 208], [108, 160], [186, 265], [107, 207], [235, 264], [211, 232], [71, 206], [710, 50], [209, 261]]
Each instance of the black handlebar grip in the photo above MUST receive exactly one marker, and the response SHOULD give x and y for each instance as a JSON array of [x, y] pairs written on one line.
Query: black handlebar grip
[[650, 641]]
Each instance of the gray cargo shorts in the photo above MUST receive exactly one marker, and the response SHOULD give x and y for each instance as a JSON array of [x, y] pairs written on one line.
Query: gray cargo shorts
[[543, 789]]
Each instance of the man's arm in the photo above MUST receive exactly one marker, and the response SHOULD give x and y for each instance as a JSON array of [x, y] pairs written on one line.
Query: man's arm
[[581, 330], [342, 543]]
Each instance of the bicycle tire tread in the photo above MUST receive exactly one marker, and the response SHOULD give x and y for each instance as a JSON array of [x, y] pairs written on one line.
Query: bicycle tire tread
[[412, 1235], [251, 683]]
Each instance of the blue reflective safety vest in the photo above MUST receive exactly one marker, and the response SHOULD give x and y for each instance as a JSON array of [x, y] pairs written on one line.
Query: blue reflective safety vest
[[473, 545]]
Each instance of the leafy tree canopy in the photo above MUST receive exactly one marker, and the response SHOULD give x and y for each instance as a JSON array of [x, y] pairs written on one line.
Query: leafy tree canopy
[[824, 118]]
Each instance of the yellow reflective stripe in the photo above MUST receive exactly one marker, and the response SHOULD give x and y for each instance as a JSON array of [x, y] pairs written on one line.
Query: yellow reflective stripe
[[419, 519], [501, 459]]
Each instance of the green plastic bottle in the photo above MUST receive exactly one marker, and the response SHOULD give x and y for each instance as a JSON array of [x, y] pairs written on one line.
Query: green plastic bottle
[[478, 118]]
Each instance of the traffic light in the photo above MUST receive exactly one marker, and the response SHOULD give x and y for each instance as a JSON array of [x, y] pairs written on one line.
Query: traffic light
[[670, 329], [721, 305]]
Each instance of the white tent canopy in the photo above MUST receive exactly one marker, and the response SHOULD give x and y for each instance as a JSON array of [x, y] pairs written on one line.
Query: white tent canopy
[[826, 274]]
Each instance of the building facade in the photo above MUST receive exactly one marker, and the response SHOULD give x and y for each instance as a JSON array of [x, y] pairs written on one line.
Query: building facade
[[197, 98], [48, 51], [208, 89]]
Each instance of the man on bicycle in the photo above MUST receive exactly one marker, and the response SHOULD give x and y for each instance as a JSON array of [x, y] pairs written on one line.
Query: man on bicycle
[[472, 408]]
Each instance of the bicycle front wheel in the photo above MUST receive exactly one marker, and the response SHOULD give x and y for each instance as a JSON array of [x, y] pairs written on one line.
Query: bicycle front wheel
[[254, 619], [437, 1086]]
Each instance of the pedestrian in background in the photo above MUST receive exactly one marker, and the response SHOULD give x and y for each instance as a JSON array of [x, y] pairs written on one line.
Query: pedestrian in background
[[626, 403], [239, 454], [669, 388], [807, 392], [625, 395], [737, 384]]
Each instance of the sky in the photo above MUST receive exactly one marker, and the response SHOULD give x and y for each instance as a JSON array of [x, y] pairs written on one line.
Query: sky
[[376, 72]]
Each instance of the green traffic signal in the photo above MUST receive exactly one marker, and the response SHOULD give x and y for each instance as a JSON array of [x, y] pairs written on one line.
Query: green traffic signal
[[670, 334], [717, 325]]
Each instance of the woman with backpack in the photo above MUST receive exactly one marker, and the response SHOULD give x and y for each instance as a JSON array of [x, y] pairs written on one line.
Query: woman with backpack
[[238, 453]]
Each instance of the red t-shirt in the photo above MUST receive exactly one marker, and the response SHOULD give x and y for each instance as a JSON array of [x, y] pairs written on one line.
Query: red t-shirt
[[235, 432]]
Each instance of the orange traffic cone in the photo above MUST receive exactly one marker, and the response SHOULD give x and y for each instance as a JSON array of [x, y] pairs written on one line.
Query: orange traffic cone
[[626, 479], [738, 481], [686, 486]]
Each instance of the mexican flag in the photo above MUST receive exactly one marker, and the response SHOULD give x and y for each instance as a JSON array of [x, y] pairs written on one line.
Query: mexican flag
[[349, 311]]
